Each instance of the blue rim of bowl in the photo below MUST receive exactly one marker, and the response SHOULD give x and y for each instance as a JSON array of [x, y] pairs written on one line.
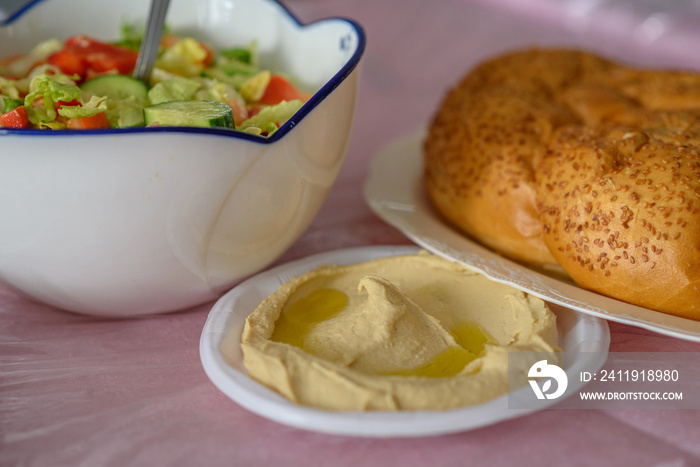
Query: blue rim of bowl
[[316, 99]]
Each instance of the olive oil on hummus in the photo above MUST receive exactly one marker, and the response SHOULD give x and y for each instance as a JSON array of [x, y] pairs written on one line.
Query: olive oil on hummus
[[410, 332]]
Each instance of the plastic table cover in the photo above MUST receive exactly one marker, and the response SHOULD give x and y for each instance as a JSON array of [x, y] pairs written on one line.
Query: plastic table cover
[[81, 391]]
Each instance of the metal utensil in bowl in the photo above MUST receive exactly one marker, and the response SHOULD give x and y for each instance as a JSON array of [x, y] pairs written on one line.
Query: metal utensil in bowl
[[151, 40]]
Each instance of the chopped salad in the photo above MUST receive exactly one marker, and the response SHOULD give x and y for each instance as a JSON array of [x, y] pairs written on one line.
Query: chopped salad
[[84, 83]]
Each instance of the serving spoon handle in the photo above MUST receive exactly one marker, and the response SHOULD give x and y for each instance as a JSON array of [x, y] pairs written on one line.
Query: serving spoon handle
[[151, 40]]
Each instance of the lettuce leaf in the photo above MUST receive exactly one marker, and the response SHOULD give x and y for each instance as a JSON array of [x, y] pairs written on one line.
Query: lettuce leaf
[[173, 89], [50, 89], [8, 104], [214, 90], [269, 117], [51, 126], [8, 88], [185, 58], [247, 54], [254, 88], [131, 36], [235, 66], [90, 108], [235, 80]]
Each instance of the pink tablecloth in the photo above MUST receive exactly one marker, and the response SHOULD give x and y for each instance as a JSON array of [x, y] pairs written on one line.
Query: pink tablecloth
[[78, 391]]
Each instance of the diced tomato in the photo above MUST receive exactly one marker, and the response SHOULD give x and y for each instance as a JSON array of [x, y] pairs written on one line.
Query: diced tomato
[[254, 110], [99, 120], [209, 59], [280, 89], [72, 103], [16, 118], [68, 62], [169, 40], [105, 62], [82, 54], [240, 113]]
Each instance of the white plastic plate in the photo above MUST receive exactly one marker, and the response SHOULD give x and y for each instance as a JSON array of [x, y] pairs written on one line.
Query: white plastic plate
[[394, 190], [588, 338]]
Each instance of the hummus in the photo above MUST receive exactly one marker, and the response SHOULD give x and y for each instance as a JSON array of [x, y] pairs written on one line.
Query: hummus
[[412, 332]]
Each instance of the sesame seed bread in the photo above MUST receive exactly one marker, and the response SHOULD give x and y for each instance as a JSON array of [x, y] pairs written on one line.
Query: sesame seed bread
[[563, 159]]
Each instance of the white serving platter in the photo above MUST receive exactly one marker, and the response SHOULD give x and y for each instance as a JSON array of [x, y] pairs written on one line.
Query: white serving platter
[[394, 191]]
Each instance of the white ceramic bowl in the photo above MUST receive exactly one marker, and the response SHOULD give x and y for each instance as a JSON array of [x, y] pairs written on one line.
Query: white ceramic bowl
[[148, 220]]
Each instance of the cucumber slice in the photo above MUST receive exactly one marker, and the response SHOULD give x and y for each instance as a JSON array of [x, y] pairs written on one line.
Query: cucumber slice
[[116, 87], [123, 114], [126, 97], [189, 113]]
